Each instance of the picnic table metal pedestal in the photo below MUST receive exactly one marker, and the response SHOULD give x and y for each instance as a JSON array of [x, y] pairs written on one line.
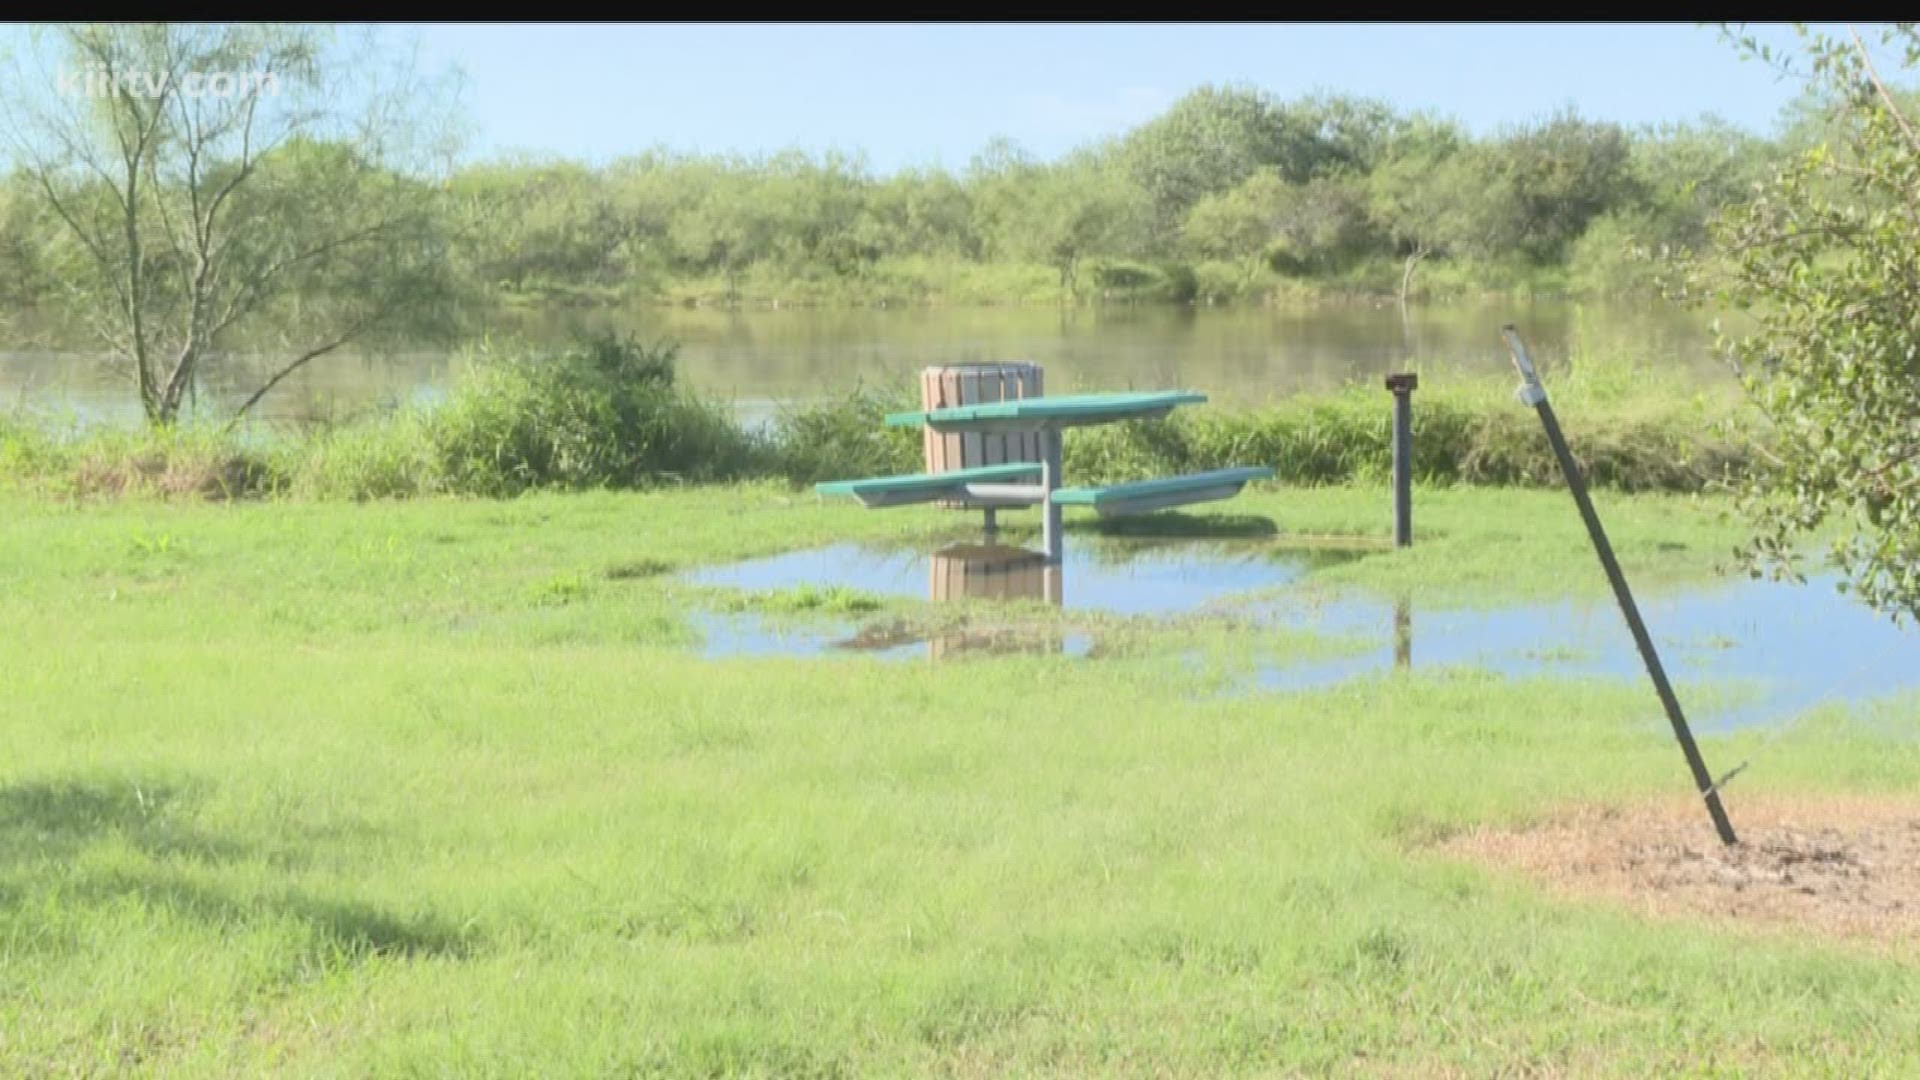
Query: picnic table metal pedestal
[[1052, 463]]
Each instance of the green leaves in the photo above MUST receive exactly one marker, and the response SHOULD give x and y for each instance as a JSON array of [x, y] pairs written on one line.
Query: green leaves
[[1827, 258], [292, 214]]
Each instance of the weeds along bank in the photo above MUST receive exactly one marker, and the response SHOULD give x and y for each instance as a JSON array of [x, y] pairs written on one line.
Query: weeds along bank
[[609, 413]]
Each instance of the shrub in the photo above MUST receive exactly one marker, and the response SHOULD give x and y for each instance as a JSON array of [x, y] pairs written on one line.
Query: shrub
[[603, 414]]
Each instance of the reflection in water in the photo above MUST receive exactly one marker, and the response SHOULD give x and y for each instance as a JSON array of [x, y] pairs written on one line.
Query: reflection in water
[[747, 635], [1791, 647], [1403, 633], [994, 572], [1120, 577], [1126, 577], [898, 638]]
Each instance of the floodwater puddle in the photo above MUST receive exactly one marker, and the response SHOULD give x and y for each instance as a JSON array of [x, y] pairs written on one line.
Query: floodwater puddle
[[1788, 647], [1765, 651], [1115, 577]]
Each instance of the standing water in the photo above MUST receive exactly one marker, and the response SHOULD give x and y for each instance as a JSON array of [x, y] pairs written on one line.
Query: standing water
[[1743, 653], [1781, 649]]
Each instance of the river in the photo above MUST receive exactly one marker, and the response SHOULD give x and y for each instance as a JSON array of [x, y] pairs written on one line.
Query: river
[[758, 359]]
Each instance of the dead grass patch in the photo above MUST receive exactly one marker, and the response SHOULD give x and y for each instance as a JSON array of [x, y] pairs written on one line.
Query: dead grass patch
[[1837, 866], [172, 475]]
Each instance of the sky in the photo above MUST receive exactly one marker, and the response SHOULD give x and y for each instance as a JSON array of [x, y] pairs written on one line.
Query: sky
[[911, 95]]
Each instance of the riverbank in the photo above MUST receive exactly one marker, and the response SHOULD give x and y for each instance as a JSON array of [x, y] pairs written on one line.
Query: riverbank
[[611, 413]]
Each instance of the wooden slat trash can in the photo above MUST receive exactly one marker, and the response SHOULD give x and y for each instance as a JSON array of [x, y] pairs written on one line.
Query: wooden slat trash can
[[973, 384]]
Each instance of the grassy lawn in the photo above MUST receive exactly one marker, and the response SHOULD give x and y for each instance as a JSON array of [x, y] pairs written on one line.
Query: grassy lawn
[[441, 788]]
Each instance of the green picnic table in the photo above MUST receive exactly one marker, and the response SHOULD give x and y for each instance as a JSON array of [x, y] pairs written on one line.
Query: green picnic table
[[1040, 483]]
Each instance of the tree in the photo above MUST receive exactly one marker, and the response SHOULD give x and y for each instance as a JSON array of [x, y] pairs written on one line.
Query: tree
[[1345, 135], [1559, 175], [212, 184], [1825, 258], [817, 205], [1268, 221], [530, 223], [921, 212], [1685, 173], [1076, 210], [1239, 226], [730, 228], [1681, 175], [1424, 194], [1208, 142], [21, 276], [651, 191], [1055, 214]]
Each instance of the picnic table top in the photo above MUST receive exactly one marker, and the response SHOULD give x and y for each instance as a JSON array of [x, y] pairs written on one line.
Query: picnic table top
[[1058, 410]]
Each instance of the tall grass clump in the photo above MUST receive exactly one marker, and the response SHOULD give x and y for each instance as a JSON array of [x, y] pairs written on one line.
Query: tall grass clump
[[393, 458], [846, 437], [24, 451]]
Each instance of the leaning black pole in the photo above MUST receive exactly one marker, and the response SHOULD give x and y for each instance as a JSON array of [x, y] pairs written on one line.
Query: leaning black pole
[[1532, 393]]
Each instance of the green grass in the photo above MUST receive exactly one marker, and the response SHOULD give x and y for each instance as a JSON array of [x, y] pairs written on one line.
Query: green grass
[[439, 787]]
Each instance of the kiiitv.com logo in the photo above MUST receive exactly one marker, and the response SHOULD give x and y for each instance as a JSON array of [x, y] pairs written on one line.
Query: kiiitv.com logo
[[100, 81]]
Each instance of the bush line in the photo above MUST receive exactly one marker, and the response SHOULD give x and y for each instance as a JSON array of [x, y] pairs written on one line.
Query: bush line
[[609, 413]]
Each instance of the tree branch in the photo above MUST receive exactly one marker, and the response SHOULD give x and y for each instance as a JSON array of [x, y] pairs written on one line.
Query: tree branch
[[1886, 96], [305, 358]]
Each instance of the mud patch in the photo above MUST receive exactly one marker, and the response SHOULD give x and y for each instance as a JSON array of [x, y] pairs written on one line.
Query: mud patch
[[1845, 867]]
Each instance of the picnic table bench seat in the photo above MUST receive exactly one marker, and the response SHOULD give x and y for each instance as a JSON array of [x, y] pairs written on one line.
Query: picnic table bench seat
[[879, 491], [1143, 496]]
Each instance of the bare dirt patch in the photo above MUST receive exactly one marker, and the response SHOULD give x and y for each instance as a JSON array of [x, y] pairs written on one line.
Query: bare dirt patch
[[1845, 866]]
